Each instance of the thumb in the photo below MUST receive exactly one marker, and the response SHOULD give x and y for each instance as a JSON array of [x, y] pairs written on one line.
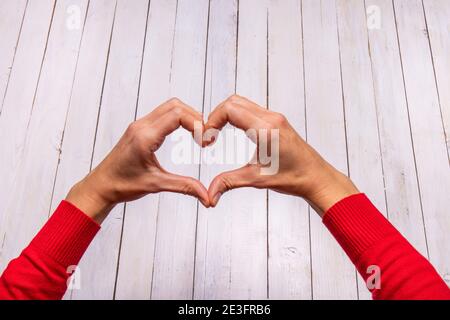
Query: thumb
[[242, 177], [185, 185]]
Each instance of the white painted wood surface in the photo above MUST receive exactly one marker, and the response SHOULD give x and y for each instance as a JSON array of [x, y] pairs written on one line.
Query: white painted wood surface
[[12, 13], [249, 218], [81, 120], [213, 263], [437, 13], [19, 98], [118, 106], [402, 192], [173, 274], [372, 100], [364, 158], [289, 265], [36, 167], [141, 216], [428, 136], [333, 276], [82, 116]]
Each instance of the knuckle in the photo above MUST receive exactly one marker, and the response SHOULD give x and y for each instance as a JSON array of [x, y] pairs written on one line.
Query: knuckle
[[226, 182], [228, 106], [178, 110], [174, 101], [133, 128], [278, 119], [235, 98], [188, 188]]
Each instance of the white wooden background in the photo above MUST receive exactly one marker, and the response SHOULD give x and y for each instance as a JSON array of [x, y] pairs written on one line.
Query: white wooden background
[[366, 82]]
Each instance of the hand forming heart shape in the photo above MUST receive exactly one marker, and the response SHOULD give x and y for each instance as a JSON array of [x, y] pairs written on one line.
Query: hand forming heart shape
[[131, 170]]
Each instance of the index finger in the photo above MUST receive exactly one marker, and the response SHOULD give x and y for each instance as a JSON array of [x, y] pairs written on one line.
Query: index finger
[[173, 119], [235, 114], [170, 105]]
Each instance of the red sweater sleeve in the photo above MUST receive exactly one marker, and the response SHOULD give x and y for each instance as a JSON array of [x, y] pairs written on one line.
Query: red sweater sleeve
[[371, 242], [375, 246], [43, 268]]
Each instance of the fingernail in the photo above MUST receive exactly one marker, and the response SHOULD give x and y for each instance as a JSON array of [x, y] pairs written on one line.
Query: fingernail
[[205, 204], [216, 198]]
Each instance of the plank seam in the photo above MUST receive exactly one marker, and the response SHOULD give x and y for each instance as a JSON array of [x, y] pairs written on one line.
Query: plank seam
[[345, 120], [200, 163], [68, 109], [369, 48], [40, 69], [159, 197], [135, 116], [306, 139], [410, 128], [446, 134], [101, 99], [14, 57], [103, 87]]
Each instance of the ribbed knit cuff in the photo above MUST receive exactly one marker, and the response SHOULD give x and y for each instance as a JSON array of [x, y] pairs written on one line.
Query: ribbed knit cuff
[[357, 225], [66, 235]]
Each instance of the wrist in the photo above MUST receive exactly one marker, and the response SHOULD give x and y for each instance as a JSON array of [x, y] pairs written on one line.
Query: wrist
[[331, 188], [87, 197]]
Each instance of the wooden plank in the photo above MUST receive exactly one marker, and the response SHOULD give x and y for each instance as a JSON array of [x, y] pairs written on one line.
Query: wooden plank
[[288, 224], [213, 262], [428, 135], [437, 14], [12, 13], [134, 279], [81, 120], [333, 276], [20, 96], [249, 210], [177, 214], [99, 265], [37, 168], [364, 156], [402, 192]]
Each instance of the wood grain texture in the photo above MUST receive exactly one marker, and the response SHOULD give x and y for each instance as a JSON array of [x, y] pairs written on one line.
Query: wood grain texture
[[213, 263], [12, 13], [428, 136], [364, 157], [402, 192], [249, 218], [333, 276], [135, 272], [19, 98], [81, 121], [288, 222], [37, 165], [173, 274], [437, 13], [99, 265]]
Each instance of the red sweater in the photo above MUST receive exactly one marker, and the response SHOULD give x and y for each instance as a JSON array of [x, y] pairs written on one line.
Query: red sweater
[[371, 242]]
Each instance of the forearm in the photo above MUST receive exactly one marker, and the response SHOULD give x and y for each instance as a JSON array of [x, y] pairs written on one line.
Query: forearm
[[383, 257], [43, 268]]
